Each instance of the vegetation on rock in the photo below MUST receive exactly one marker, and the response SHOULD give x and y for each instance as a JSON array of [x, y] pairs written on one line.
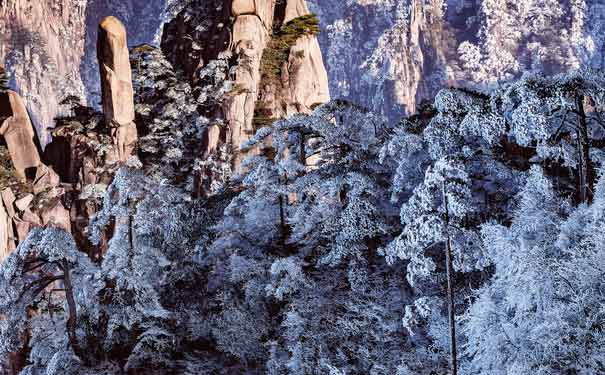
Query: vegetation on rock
[[8, 174], [277, 52]]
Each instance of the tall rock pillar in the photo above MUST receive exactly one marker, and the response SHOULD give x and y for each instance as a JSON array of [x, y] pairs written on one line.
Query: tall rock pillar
[[302, 81], [116, 85], [275, 63]]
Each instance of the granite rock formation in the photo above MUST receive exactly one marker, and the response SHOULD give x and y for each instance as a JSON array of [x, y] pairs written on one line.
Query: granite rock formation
[[389, 55], [276, 65], [49, 48], [42, 44], [31, 192], [116, 84], [18, 133]]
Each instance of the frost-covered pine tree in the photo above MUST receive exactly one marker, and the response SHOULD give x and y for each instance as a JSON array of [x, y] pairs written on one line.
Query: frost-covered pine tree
[[503, 326], [562, 117]]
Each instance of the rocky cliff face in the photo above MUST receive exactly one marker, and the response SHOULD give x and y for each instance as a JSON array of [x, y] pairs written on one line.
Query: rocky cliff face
[[42, 44], [49, 48], [30, 193], [385, 54], [275, 64], [261, 64], [390, 54]]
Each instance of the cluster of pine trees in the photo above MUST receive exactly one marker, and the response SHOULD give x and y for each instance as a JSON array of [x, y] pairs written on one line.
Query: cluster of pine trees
[[467, 237]]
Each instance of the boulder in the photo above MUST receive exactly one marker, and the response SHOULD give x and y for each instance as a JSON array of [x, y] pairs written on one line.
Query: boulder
[[18, 132], [22, 228], [46, 178], [116, 85], [8, 198]]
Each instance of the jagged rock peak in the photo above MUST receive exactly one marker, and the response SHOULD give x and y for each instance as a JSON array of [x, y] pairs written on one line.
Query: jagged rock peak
[[285, 86], [275, 62], [116, 85]]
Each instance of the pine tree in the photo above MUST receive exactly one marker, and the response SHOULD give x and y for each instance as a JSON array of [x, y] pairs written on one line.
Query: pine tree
[[561, 116]]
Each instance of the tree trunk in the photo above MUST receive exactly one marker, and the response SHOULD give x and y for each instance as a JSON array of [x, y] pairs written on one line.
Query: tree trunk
[[450, 287], [282, 212], [72, 319], [585, 173]]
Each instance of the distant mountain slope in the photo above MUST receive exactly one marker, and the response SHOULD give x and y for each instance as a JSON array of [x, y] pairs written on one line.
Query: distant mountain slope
[[390, 54]]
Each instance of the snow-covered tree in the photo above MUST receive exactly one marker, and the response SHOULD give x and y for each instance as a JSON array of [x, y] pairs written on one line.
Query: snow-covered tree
[[47, 274], [562, 117]]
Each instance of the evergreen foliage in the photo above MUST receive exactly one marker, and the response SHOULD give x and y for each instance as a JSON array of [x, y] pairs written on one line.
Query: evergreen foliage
[[8, 174], [332, 252], [277, 52]]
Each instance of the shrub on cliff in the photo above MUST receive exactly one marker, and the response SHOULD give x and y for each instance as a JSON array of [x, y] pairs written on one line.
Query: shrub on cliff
[[277, 51]]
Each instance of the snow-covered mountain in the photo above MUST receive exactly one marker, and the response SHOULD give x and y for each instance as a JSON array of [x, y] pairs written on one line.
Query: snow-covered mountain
[[390, 54]]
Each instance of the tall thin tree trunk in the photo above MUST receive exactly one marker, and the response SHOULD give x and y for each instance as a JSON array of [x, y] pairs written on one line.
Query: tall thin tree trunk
[[282, 211], [450, 287], [71, 321], [584, 153]]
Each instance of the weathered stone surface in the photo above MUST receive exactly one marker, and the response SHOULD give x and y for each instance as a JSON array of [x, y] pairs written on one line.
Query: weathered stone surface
[[295, 8], [18, 132], [116, 85], [8, 198], [239, 7], [125, 138], [45, 179], [23, 203], [42, 42], [31, 217], [22, 228], [56, 216], [307, 76], [211, 139], [239, 113], [249, 28], [250, 38], [265, 10]]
